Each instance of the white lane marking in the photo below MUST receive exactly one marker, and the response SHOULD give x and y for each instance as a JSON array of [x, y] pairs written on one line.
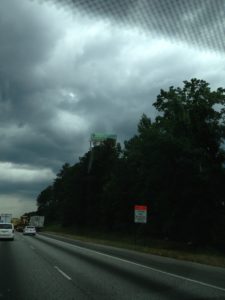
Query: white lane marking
[[147, 267], [63, 273], [164, 272], [160, 271]]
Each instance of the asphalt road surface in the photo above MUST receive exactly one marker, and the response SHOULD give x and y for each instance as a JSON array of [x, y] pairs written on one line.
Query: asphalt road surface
[[47, 267]]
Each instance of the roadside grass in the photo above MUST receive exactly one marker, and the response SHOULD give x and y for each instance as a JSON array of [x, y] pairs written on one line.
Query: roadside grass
[[209, 256]]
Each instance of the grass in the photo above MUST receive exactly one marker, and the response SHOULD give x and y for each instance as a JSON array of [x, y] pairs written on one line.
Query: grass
[[209, 256]]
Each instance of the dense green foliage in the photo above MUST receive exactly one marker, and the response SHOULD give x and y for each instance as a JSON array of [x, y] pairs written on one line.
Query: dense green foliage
[[174, 164]]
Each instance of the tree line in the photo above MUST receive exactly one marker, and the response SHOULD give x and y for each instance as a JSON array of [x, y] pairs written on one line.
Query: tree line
[[174, 164]]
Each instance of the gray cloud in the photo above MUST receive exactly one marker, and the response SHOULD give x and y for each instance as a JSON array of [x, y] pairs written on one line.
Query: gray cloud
[[197, 22], [64, 75]]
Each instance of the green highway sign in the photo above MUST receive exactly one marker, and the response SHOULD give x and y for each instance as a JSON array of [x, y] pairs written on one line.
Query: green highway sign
[[100, 137]]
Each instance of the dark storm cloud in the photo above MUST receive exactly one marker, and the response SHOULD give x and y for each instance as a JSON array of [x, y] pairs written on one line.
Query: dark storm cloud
[[64, 75], [25, 189], [198, 22], [26, 40]]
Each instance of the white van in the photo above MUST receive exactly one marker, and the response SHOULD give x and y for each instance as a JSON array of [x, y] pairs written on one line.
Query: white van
[[7, 231]]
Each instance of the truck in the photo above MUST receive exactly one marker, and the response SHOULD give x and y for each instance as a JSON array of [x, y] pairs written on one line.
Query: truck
[[37, 221], [5, 218]]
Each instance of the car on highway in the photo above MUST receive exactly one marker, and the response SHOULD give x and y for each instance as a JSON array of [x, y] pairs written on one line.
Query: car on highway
[[19, 228], [29, 230], [7, 231]]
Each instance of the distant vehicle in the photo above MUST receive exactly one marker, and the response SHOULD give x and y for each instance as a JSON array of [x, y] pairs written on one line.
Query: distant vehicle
[[37, 221], [7, 231], [5, 218], [29, 230], [19, 228]]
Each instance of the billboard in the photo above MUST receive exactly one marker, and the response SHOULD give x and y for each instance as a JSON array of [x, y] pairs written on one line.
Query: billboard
[[140, 214], [101, 137]]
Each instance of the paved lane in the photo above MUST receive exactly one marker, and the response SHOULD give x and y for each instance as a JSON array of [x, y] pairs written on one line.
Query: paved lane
[[45, 268], [25, 275], [7, 277], [198, 272]]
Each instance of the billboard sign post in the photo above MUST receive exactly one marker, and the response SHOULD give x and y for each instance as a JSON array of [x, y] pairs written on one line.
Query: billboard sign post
[[97, 139]]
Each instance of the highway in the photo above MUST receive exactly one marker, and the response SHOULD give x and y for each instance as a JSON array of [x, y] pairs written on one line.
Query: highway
[[48, 267]]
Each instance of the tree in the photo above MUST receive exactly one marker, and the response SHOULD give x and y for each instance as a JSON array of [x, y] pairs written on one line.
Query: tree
[[46, 204], [177, 162], [174, 164], [193, 117]]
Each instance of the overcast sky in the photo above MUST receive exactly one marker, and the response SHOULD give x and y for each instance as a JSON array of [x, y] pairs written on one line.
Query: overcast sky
[[65, 73]]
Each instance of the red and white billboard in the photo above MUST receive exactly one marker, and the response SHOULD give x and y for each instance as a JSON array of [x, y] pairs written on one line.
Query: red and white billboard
[[140, 214]]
